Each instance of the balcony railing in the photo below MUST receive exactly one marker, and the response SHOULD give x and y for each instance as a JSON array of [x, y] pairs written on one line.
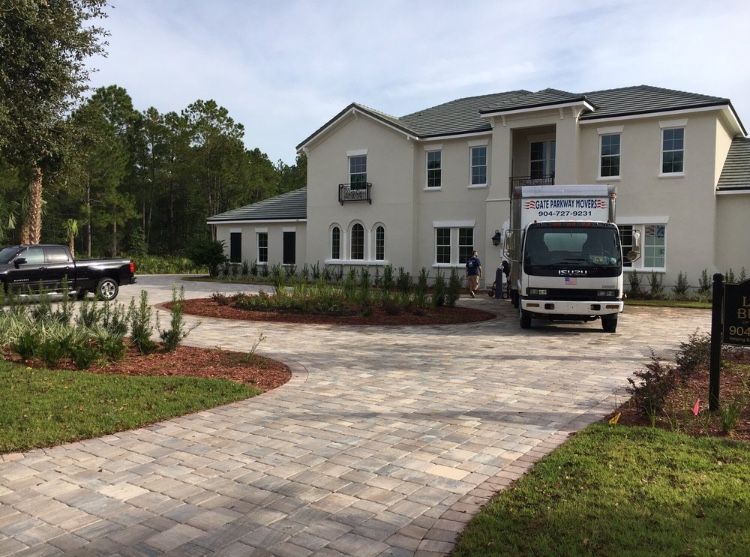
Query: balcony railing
[[355, 192], [544, 180]]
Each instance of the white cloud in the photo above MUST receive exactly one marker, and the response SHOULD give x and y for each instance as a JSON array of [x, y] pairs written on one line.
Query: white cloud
[[284, 68]]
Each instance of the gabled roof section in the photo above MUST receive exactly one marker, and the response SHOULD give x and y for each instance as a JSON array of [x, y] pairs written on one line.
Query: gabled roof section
[[382, 117], [540, 99], [287, 206], [735, 176], [459, 116]]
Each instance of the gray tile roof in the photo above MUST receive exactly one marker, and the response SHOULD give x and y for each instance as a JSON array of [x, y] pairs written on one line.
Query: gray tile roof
[[736, 172], [464, 115], [290, 205]]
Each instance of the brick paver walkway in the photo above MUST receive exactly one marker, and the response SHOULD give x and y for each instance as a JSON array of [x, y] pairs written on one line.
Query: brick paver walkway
[[385, 442]]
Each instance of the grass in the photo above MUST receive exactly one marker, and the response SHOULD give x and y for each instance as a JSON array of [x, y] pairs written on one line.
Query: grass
[[41, 408], [622, 491], [692, 304]]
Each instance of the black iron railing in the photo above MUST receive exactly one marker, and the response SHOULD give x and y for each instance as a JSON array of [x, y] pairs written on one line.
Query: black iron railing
[[355, 192], [544, 180]]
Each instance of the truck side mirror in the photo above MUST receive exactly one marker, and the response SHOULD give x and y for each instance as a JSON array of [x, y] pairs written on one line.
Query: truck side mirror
[[19, 261], [635, 252]]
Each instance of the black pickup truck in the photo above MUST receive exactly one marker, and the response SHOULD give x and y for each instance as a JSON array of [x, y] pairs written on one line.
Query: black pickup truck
[[30, 269]]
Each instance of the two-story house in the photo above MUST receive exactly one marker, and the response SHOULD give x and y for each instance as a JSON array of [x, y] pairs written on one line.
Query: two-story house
[[423, 189]]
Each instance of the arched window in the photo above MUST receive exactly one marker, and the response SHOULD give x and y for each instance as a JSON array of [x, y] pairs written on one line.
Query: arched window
[[358, 242], [335, 243], [379, 243]]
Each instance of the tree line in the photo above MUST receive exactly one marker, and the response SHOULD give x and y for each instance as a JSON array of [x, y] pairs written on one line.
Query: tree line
[[97, 173]]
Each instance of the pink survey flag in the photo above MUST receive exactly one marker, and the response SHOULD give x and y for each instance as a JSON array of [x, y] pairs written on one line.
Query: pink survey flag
[[696, 407]]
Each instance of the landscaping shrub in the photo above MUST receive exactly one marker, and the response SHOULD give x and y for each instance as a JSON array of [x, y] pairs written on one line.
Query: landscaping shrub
[[114, 319], [704, 284], [209, 253], [453, 292], [420, 290], [651, 389], [743, 275], [404, 282], [681, 286], [729, 276], [84, 353], [177, 332], [350, 285], [140, 325], [387, 283], [167, 265], [26, 343], [254, 268], [51, 351], [635, 284], [654, 284], [439, 291], [693, 354]]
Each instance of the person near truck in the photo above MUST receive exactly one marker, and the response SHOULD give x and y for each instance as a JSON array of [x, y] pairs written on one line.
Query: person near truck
[[473, 272]]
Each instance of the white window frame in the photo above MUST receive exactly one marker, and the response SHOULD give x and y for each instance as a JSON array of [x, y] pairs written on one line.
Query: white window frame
[[619, 157], [672, 125], [639, 264], [375, 242], [335, 226], [459, 245], [450, 247], [349, 166], [545, 153], [486, 166], [427, 169], [364, 241], [258, 246]]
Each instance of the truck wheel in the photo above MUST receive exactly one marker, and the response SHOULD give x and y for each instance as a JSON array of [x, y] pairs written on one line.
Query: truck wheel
[[525, 319], [609, 323], [107, 289]]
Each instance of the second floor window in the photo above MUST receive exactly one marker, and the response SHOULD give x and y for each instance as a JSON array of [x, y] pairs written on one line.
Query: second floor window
[[609, 163], [673, 150], [542, 159], [358, 242], [434, 169], [262, 247], [478, 166], [358, 172], [335, 243]]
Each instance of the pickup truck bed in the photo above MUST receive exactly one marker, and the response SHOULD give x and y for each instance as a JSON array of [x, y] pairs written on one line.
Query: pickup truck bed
[[31, 269]]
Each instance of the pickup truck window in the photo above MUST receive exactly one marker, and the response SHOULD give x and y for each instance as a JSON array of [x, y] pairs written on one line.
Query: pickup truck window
[[7, 254], [56, 254], [34, 256]]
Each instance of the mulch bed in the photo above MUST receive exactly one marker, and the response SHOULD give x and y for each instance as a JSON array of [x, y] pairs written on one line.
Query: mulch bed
[[207, 307], [189, 361], [734, 386]]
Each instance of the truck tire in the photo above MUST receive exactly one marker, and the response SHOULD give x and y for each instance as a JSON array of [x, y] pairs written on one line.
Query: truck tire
[[525, 319], [609, 323], [107, 289]]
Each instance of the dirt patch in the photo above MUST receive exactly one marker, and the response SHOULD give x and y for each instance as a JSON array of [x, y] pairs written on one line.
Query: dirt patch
[[207, 307], [190, 361], [681, 401]]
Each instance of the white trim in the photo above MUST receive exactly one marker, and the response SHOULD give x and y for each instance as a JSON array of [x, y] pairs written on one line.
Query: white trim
[[609, 130], [672, 174], [457, 136], [454, 223], [374, 244], [599, 176], [363, 262], [235, 231], [257, 246], [630, 221], [555, 106], [477, 186], [356, 152], [436, 147], [478, 143], [330, 241], [673, 123], [427, 169], [432, 189], [250, 221], [661, 173], [261, 229], [733, 192], [661, 115], [289, 229], [365, 238], [447, 265], [486, 165]]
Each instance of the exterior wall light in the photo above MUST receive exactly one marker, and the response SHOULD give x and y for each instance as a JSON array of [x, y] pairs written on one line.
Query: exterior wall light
[[497, 238]]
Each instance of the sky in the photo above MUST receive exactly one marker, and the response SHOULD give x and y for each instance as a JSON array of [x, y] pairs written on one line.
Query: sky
[[283, 68]]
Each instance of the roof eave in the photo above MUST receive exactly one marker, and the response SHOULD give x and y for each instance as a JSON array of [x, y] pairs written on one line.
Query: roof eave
[[580, 101]]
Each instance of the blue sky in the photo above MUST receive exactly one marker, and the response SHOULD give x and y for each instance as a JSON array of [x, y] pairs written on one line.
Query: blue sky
[[283, 68]]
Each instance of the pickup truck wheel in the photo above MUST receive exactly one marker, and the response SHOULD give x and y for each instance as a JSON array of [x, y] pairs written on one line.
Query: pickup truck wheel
[[107, 289], [609, 323], [525, 319]]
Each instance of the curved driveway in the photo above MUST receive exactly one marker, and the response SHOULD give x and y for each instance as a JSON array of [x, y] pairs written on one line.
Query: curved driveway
[[385, 442]]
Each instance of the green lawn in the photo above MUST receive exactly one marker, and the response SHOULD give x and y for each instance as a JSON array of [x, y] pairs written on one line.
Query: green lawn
[[692, 304], [40, 408], [623, 491]]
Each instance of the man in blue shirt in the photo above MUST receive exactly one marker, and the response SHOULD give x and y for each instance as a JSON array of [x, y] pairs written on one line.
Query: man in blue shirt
[[473, 272]]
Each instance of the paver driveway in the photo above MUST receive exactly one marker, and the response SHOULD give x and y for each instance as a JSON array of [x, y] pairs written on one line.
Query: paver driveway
[[385, 442]]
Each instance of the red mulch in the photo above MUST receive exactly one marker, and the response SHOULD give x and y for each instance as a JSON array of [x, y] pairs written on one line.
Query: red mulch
[[678, 415], [207, 307], [189, 361]]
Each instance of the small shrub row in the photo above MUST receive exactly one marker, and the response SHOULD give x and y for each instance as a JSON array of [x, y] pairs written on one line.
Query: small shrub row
[[654, 289]]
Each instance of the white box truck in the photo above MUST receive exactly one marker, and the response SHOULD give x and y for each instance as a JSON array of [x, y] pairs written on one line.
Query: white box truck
[[566, 260]]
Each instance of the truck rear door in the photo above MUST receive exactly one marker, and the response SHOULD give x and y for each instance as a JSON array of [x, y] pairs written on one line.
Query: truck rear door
[[59, 265]]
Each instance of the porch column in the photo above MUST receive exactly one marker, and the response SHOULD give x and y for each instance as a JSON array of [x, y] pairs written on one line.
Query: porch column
[[566, 146]]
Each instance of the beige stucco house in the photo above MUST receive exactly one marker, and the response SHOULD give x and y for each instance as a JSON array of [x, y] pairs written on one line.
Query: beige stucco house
[[423, 189]]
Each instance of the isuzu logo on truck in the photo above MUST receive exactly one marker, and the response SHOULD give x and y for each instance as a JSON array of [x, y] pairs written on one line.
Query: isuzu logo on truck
[[573, 272]]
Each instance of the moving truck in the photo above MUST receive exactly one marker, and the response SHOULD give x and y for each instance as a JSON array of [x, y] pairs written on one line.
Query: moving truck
[[565, 254]]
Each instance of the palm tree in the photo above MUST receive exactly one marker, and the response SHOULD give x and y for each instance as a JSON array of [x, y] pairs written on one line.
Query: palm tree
[[71, 231]]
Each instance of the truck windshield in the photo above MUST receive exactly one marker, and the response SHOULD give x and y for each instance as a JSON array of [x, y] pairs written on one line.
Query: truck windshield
[[6, 254], [572, 247]]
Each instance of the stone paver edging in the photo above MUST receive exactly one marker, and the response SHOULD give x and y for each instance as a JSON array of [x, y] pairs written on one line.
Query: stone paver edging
[[384, 442]]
